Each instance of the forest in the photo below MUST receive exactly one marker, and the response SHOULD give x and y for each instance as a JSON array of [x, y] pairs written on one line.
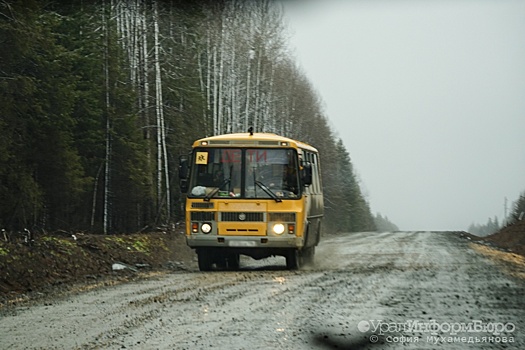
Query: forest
[[100, 98], [517, 213]]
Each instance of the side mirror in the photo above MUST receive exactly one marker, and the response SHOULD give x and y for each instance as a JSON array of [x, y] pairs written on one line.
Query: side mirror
[[306, 174], [183, 173]]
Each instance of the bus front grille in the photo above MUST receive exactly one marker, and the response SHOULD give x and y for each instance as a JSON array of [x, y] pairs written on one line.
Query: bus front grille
[[242, 216]]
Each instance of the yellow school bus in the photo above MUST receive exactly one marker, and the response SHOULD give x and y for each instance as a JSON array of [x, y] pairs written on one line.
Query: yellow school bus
[[254, 194]]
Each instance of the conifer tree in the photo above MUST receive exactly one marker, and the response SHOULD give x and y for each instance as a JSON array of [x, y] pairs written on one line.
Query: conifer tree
[[518, 212]]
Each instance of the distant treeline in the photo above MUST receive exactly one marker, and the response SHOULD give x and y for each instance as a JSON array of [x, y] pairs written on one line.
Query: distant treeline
[[493, 225], [383, 224], [99, 99]]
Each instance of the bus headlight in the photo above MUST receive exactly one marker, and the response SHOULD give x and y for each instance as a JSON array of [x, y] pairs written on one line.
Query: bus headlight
[[278, 229], [206, 228]]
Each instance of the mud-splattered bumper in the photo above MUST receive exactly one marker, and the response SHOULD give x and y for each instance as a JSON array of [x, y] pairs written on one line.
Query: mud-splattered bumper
[[196, 241]]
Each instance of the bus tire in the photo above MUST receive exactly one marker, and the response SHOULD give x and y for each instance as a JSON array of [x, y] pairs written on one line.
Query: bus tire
[[233, 261], [293, 259], [205, 259]]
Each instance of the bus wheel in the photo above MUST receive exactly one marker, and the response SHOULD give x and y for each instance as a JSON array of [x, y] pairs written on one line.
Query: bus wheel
[[293, 259], [233, 261], [205, 259]]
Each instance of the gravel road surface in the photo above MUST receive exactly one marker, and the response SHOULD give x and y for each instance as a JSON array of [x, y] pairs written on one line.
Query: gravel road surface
[[413, 290]]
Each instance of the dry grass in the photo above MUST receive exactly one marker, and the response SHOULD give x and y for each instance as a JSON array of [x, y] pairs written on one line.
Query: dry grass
[[511, 263]]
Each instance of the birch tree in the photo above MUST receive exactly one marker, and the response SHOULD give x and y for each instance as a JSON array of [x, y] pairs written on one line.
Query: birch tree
[[243, 41], [162, 154]]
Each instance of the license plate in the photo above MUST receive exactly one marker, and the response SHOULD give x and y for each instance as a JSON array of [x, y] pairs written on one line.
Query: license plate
[[242, 243]]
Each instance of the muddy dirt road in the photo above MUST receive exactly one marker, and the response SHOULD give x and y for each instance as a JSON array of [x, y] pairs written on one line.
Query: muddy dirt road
[[408, 290]]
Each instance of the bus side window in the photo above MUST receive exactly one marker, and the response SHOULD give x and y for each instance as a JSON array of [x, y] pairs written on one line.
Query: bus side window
[[312, 163], [319, 180], [315, 174]]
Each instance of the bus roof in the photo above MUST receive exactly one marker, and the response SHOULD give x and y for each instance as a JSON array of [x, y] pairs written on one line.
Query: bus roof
[[251, 140]]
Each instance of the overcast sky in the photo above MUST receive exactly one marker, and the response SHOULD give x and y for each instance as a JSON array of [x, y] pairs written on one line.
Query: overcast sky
[[428, 97]]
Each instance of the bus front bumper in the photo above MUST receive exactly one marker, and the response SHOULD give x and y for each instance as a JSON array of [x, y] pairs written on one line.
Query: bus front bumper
[[214, 241]]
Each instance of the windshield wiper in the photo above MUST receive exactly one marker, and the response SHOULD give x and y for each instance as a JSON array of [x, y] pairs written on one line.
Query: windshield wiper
[[264, 187], [268, 191]]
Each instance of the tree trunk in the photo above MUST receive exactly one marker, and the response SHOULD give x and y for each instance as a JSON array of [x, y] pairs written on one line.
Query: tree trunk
[[162, 153], [107, 161]]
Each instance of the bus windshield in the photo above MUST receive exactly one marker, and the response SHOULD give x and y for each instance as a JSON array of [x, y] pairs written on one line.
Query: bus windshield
[[245, 173]]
